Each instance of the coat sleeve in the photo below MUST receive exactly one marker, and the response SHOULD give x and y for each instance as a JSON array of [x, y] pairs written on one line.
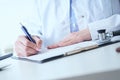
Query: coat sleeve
[[110, 24]]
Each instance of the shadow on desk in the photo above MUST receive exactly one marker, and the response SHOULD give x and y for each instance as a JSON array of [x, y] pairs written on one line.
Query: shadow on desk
[[110, 75]]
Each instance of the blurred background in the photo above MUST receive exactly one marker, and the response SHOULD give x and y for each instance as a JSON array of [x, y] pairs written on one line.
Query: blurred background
[[11, 13]]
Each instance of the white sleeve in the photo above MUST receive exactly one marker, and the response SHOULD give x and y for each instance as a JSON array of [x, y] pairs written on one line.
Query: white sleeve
[[111, 23]]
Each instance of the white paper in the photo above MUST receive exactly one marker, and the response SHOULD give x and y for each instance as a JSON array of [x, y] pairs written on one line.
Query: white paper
[[57, 51]]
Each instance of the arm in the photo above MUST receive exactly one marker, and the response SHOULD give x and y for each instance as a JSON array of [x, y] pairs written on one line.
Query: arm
[[90, 32], [72, 38]]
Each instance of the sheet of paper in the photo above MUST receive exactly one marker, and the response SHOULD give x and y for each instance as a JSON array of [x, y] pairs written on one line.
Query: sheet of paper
[[62, 50]]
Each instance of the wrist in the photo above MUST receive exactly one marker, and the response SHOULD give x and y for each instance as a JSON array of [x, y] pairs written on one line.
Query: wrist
[[85, 34]]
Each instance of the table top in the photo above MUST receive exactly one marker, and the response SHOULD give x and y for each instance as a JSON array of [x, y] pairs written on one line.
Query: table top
[[97, 63]]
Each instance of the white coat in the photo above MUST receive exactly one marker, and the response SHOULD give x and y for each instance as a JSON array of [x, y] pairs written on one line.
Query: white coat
[[49, 19]]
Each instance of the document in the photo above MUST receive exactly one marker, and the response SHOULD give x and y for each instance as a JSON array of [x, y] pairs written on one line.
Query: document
[[57, 51]]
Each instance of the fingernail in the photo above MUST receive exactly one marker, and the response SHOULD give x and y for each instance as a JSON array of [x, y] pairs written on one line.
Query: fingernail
[[37, 49]]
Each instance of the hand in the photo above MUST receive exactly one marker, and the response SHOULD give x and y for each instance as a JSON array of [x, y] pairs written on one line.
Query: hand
[[24, 47], [73, 38]]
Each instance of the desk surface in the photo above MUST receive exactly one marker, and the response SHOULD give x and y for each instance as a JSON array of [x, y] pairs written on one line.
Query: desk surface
[[98, 64]]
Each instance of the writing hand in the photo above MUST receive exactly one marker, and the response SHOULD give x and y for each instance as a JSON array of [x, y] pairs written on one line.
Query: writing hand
[[24, 47]]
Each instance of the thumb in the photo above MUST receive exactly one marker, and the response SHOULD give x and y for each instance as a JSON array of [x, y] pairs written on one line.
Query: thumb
[[38, 42]]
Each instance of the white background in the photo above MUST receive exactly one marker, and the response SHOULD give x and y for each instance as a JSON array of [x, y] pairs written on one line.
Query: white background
[[11, 12]]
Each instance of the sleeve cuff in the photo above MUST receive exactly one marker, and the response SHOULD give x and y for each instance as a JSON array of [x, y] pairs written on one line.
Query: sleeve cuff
[[107, 24]]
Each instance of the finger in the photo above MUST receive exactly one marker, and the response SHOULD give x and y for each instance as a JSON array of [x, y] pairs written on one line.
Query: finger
[[38, 42], [60, 44], [24, 50], [53, 46], [19, 49], [26, 42], [65, 43]]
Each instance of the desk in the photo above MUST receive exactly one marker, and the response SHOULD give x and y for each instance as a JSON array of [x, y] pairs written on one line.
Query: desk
[[98, 64]]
